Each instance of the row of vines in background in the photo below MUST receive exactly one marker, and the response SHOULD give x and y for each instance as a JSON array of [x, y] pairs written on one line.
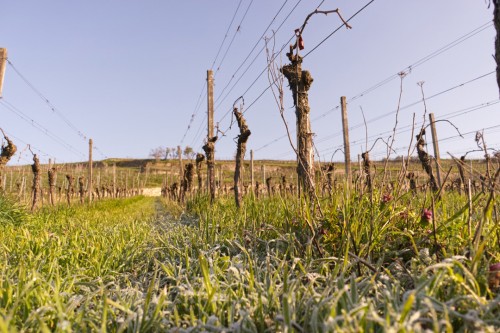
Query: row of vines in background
[[122, 178], [52, 184]]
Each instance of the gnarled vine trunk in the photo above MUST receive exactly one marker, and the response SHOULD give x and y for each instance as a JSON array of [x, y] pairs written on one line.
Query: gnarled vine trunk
[[199, 160], [425, 160], [35, 167], [70, 190], [240, 154], [187, 181], [300, 81], [366, 167], [209, 149], [6, 154], [52, 184], [81, 189]]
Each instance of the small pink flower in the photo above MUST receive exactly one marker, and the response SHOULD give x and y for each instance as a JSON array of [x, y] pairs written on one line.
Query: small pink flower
[[426, 216], [386, 198]]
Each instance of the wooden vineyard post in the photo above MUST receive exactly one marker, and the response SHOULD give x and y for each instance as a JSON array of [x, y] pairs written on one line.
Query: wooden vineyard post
[[126, 183], [3, 61], [181, 167], [98, 185], [114, 180], [252, 179], [360, 175], [347, 147], [221, 177], [435, 144], [89, 186], [41, 189], [209, 147]]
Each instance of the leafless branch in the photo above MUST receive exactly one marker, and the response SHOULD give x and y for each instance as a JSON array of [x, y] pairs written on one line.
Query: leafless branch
[[337, 150], [366, 127], [276, 79], [374, 143], [29, 147], [326, 12], [242, 101], [456, 128], [421, 85], [218, 130], [402, 75]]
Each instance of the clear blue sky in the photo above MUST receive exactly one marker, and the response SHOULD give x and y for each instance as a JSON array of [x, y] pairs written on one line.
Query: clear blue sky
[[129, 73]]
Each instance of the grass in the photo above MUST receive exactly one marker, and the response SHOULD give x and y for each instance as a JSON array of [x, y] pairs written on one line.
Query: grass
[[147, 265]]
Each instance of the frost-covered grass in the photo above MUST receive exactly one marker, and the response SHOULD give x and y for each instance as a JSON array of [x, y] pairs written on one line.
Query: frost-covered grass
[[144, 265]]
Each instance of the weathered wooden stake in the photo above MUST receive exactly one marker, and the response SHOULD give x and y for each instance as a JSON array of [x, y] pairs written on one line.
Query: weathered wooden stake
[[181, 167], [347, 147], [360, 175], [209, 147], [3, 61], [252, 179], [126, 182], [435, 144], [89, 186], [114, 180], [469, 217]]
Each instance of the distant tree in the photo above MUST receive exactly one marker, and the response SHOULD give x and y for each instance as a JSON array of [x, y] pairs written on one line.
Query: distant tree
[[157, 153], [189, 152], [174, 152], [167, 152]]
